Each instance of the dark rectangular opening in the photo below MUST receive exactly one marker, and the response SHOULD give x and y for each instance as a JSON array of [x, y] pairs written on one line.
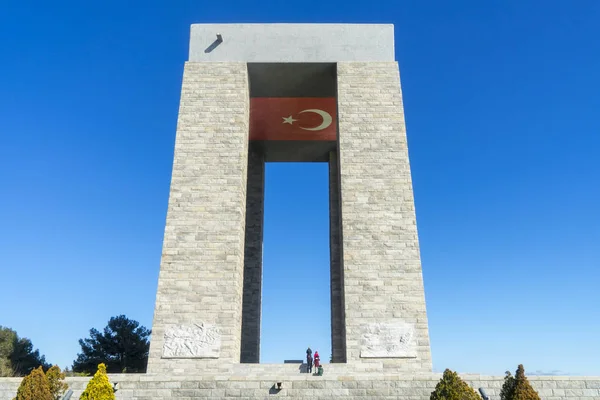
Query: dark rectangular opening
[[292, 79]]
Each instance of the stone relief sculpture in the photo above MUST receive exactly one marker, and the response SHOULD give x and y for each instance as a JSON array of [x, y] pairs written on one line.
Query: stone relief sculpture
[[387, 340], [200, 340]]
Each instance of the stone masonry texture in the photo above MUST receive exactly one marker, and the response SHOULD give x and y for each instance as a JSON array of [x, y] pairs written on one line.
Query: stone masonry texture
[[382, 269], [338, 332], [159, 387], [201, 273], [251, 311]]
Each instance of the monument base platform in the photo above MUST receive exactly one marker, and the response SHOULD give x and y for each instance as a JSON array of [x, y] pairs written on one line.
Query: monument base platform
[[261, 382]]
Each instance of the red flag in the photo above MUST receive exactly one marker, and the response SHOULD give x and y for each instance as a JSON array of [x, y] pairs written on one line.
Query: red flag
[[293, 118]]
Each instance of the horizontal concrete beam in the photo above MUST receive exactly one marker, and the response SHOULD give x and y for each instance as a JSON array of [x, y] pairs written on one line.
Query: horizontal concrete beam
[[291, 42]]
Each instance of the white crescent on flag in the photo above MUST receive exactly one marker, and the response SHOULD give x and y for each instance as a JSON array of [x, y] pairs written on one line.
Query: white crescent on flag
[[326, 119]]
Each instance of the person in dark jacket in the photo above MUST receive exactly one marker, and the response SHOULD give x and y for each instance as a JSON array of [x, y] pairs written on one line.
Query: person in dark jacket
[[309, 363], [309, 360]]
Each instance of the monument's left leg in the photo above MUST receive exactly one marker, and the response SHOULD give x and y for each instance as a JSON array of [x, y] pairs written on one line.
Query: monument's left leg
[[198, 313]]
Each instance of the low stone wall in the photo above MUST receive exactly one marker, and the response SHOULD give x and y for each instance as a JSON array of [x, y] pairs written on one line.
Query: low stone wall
[[155, 387]]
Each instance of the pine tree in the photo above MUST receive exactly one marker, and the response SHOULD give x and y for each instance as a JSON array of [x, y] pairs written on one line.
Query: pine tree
[[34, 386], [508, 387], [99, 387], [523, 389], [451, 387], [17, 356], [123, 347]]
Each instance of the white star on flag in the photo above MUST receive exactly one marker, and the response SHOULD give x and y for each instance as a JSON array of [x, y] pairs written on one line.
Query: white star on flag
[[289, 120]]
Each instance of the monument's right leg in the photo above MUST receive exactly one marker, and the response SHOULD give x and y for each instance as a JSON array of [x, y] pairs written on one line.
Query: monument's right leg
[[385, 315]]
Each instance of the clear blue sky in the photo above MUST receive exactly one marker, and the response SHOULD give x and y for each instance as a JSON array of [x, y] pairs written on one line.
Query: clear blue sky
[[502, 105]]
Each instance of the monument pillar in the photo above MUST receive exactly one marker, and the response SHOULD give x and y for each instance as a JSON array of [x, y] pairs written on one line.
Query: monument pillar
[[338, 331], [253, 257], [200, 285], [385, 316]]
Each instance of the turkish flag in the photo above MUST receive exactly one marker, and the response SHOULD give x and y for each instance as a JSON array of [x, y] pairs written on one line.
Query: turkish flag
[[293, 118]]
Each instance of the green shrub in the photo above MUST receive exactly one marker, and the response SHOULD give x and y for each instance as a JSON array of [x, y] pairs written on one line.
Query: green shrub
[[451, 387], [518, 387], [34, 386], [508, 387], [56, 381], [99, 387]]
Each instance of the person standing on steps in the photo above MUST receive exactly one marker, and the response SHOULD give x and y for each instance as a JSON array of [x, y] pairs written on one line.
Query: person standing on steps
[[317, 359], [309, 360]]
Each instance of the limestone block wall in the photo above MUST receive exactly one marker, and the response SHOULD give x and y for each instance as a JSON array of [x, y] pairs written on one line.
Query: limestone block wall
[[159, 387], [201, 273], [381, 260]]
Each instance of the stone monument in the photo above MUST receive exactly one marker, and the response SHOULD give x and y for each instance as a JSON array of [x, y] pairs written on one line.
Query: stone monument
[[256, 93], [275, 93]]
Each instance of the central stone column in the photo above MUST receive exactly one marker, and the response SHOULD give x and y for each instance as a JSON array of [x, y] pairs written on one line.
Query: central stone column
[[338, 328], [253, 257]]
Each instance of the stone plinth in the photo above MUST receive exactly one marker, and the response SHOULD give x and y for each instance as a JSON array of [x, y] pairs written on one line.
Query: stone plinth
[[258, 382]]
